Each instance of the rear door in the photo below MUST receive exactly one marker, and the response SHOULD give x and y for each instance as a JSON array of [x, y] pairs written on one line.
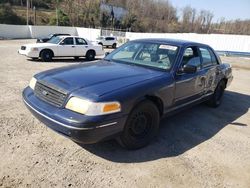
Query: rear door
[[189, 87], [81, 46], [209, 69], [67, 47]]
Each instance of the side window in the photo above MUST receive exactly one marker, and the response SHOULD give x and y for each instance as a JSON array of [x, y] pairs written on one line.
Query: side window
[[68, 41], [80, 41], [191, 57], [206, 57]]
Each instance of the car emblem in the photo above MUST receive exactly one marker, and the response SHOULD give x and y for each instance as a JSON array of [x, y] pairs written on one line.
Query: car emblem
[[44, 92]]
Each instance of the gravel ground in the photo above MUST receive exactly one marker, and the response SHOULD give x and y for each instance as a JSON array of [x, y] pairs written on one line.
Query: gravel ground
[[199, 147]]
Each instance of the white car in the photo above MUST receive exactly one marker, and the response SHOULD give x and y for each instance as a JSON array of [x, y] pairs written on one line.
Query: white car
[[62, 46], [107, 41]]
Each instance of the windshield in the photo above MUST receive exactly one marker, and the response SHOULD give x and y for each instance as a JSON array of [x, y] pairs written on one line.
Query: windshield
[[55, 40], [156, 55]]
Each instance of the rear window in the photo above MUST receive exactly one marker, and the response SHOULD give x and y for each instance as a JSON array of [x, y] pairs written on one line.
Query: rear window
[[110, 38]]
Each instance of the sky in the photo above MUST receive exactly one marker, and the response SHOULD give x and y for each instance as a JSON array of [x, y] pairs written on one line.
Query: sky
[[229, 9]]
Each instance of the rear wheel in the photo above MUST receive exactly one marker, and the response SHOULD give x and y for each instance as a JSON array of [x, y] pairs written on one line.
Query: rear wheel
[[141, 127], [46, 55], [216, 98], [114, 45], [90, 56]]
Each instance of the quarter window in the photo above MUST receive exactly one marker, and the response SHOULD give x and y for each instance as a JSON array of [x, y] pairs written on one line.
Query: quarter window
[[214, 60]]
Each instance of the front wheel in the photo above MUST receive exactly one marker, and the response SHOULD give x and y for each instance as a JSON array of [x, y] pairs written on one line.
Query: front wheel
[[90, 56], [141, 126], [216, 98], [46, 55]]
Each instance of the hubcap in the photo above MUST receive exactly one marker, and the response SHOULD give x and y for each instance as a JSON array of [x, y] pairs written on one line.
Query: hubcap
[[140, 124]]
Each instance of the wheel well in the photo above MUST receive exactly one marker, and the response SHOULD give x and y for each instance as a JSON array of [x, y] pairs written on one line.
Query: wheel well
[[100, 43], [92, 51], [157, 101], [46, 50]]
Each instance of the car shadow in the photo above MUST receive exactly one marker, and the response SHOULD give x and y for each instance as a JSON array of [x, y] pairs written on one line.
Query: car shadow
[[181, 132], [64, 60]]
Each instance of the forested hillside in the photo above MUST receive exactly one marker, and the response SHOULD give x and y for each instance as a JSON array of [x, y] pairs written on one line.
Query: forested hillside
[[142, 16]]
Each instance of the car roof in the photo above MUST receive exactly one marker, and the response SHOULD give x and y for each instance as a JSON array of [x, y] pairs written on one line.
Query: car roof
[[108, 36], [176, 42]]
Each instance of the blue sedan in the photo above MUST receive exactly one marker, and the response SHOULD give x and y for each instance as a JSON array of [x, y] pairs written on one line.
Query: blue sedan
[[125, 95]]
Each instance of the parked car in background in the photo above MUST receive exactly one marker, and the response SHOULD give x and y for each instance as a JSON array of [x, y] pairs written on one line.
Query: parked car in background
[[46, 39], [62, 46], [107, 41], [125, 95]]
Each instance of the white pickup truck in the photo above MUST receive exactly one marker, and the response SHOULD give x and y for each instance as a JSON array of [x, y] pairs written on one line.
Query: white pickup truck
[[62, 46]]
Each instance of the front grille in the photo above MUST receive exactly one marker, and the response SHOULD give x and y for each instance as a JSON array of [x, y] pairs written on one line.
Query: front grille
[[23, 47], [49, 94]]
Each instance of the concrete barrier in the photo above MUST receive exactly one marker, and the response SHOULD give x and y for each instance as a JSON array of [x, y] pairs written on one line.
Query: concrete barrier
[[14, 31]]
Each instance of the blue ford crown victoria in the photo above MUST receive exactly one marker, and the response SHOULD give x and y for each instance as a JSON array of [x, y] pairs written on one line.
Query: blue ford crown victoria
[[125, 95]]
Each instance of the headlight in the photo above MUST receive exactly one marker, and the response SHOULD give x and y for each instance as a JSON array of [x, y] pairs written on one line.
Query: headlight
[[34, 49], [90, 108], [32, 83]]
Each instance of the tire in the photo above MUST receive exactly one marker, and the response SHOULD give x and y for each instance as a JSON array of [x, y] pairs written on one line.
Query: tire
[[100, 43], [216, 98], [90, 56], [141, 126], [46, 55], [114, 46]]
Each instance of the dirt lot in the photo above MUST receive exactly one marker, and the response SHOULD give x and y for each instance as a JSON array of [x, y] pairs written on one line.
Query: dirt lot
[[199, 147]]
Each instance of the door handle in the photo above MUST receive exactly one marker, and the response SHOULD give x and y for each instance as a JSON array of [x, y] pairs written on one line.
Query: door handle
[[72, 46]]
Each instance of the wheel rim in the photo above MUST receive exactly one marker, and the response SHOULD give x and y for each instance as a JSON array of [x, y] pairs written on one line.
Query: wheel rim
[[140, 125], [91, 55]]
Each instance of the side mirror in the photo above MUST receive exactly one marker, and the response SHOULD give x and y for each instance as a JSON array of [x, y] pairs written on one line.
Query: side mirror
[[107, 53], [62, 43], [188, 69]]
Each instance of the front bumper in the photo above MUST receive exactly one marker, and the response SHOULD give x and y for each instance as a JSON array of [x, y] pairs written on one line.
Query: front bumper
[[80, 128], [32, 54]]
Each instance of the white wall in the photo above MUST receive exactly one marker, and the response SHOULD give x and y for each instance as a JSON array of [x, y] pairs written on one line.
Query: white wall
[[42, 31], [220, 42], [89, 33], [14, 31]]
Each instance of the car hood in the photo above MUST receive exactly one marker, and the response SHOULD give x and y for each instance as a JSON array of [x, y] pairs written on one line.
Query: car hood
[[38, 45], [97, 79]]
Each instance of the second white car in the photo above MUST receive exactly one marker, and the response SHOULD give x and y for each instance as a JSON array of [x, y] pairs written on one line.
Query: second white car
[[62, 46]]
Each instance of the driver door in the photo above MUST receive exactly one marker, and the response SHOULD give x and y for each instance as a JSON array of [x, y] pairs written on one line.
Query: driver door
[[66, 47], [189, 86]]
